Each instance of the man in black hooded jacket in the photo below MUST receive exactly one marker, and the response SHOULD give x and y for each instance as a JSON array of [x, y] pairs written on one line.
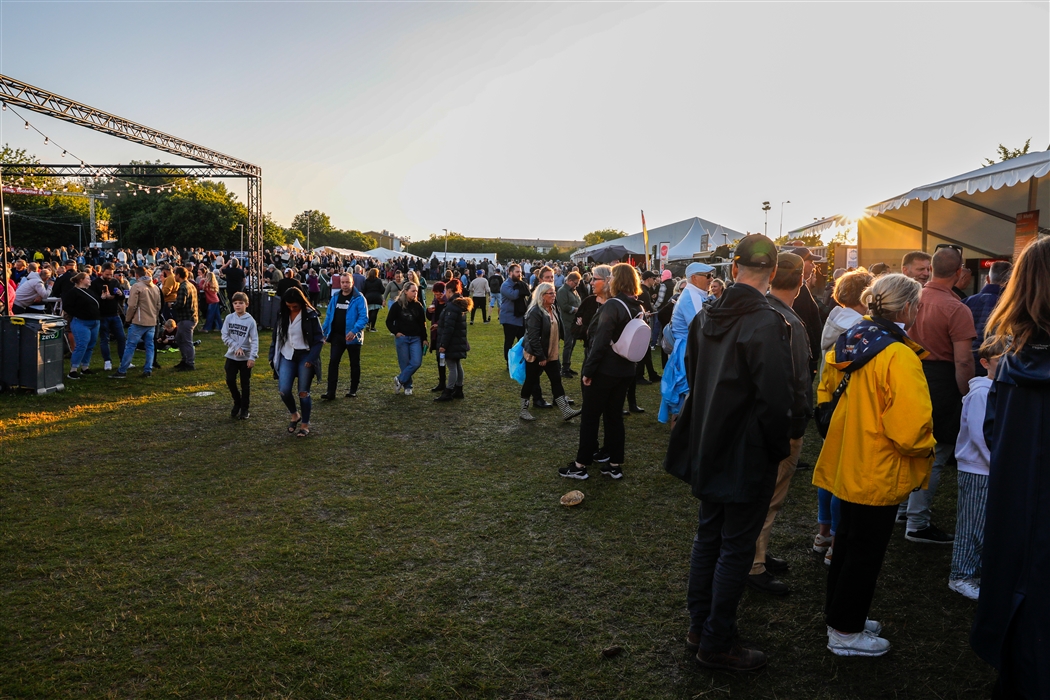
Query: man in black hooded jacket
[[728, 441]]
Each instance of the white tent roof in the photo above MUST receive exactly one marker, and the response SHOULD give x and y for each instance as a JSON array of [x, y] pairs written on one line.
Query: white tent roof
[[385, 254], [671, 233], [297, 245], [440, 255], [696, 239]]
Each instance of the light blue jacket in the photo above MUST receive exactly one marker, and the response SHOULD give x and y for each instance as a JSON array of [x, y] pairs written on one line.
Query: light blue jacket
[[356, 316]]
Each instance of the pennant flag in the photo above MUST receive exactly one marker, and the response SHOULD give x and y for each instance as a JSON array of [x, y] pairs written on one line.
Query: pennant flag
[[645, 237]]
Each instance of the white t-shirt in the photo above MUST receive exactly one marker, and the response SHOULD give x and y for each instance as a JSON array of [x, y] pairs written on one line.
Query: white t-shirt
[[296, 340]]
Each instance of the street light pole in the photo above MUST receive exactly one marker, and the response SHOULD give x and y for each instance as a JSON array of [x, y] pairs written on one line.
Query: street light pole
[[766, 208], [786, 201], [308, 212]]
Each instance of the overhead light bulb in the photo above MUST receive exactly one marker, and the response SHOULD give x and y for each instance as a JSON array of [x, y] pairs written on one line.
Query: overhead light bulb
[[46, 140], [27, 125]]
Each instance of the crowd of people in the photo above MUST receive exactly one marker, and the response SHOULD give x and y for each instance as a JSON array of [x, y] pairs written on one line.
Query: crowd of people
[[912, 376]]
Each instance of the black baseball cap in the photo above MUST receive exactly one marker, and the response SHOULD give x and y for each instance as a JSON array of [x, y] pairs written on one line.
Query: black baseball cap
[[648, 275], [755, 250]]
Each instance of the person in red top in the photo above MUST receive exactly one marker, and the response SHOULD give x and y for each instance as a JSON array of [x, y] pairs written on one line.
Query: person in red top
[[945, 328]]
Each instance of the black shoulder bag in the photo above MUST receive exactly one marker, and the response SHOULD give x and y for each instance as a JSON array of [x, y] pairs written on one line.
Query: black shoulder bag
[[824, 411]]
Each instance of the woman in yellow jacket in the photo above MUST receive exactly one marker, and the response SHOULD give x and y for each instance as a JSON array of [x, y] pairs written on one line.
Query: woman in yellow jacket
[[879, 448]]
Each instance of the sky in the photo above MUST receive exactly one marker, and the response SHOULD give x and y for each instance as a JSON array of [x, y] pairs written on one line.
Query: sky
[[548, 120]]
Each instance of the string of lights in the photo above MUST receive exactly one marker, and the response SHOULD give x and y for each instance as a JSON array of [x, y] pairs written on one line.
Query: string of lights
[[133, 186]]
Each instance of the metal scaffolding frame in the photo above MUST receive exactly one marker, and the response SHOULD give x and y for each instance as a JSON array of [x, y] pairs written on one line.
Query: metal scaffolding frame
[[215, 164]]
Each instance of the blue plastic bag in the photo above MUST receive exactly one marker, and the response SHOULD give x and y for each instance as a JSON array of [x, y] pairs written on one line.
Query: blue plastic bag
[[516, 361]]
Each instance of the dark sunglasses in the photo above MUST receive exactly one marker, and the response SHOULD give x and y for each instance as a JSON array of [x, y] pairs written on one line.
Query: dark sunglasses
[[957, 248]]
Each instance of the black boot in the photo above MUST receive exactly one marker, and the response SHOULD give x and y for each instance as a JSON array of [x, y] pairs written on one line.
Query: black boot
[[446, 395], [441, 380], [457, 393], [439, 387]]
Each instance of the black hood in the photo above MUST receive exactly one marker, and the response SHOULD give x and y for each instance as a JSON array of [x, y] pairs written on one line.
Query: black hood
[[1028, 368], [735, 303]]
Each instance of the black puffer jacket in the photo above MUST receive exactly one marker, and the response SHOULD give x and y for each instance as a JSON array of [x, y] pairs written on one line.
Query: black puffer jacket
[[609, 321], [410, 319], [538, 332], [452, 327], [734, 426], [373, 290]]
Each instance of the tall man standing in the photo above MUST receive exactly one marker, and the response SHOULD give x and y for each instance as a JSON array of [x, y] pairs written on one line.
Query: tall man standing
[[782, 293], [479, 294], [945, 328], [143, 313], [343, 329], [730, 437], [515, 296], [184, 311], [568, 301], [112, 294]]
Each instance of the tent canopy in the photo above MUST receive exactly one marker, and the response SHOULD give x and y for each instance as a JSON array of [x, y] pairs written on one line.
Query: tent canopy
[[696, 239], [672, 234], [385, 254], [342, 251], [476, 257], [976, 210]]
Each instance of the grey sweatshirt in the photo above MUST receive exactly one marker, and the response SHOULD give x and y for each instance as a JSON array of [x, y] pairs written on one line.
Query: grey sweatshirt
[[241, 332]]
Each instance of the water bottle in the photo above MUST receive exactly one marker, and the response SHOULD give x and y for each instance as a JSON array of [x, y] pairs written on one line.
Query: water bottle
[[441, 359]]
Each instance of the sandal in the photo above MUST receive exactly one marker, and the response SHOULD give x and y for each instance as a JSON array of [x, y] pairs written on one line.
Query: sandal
[[293, 424], [303, 432]]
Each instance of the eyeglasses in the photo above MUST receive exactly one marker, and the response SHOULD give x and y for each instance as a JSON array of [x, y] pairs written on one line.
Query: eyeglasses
[[957, 248]]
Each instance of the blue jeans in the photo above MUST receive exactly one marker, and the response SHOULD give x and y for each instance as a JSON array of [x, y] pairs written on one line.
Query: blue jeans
[[409, 357], [85, 335], [828, 509], [287, 372], [497, 300], [211, 321], [135, 335], [111, 326]]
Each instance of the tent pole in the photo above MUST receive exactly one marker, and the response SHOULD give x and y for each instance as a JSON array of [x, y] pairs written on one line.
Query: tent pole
[[925, 224], [1033, 194]]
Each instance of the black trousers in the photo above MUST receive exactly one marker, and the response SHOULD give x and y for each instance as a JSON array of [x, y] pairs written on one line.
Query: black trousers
[[339, 346], [860, 544], [511, 334], [646, 364], [603, 402], [233, 369], [533, 372], [373, 314], [480, 301]]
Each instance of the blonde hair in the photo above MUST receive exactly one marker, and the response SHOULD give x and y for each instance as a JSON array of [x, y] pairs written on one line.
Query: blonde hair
[[625, 280], [402, 297], [212, 281], [537, 294], [849, 286], [889, 294], [1023, 311]]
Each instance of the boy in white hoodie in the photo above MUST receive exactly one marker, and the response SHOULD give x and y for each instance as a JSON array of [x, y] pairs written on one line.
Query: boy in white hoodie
[[241, 336], [972, 454]]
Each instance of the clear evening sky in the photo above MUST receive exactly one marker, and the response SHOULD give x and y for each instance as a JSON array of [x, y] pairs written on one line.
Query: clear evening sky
[[549, 119]]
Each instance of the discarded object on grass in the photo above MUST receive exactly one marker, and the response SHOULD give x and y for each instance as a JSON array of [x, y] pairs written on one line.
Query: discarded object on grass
[[572, 498], [612, 651], [203, 393]]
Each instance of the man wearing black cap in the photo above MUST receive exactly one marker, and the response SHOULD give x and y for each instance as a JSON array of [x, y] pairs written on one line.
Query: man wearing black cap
[[731, 435]]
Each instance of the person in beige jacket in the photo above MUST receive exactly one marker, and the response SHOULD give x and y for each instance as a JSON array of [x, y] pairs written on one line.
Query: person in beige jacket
[[143, 314]]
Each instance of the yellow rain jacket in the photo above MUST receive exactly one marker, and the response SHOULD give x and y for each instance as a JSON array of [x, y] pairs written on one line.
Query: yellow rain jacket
[[880, 442]]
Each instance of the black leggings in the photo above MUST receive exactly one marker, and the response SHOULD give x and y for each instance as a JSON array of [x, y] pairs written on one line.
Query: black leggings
[[603, 402], [533, 371], [233, 368], [511, 334], [373, 314]]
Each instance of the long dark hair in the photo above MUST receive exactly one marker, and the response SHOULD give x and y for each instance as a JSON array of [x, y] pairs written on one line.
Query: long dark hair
[[293, 295]]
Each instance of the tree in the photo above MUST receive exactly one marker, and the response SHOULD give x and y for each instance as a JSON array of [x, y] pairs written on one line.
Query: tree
[[1006, 154], [273, 233], [811, 240], [606, 234]]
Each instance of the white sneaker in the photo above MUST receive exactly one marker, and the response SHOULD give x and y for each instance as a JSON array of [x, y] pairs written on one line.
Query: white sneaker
[[398, 386], [821, 543], [827, 557], [966, 588], [108, 366], [858, 644], [869, 626], [408, 392]]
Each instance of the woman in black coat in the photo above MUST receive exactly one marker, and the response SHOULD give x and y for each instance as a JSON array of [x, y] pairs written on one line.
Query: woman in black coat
[[1011, 630], [543, 329], [434, 312], [373, 290], [407, 320], [452, 338]]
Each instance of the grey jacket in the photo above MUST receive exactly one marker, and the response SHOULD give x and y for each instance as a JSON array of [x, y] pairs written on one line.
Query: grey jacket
[[568, 302]]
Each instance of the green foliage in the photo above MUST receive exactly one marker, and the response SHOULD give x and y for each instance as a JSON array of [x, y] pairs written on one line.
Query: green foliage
[[273, 233], [811, 240], [606, 234], [457, 243], [323, 233], [201, 213], [1006, 154]]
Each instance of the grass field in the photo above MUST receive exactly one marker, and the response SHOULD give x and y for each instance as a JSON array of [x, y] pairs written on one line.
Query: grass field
[[152, 547]]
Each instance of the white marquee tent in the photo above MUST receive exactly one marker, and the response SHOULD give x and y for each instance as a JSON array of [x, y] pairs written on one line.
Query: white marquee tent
[[476, 257], [385, 254], [697, 234]]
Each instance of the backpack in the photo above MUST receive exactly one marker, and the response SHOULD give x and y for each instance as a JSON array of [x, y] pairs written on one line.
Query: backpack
[[634, 338]]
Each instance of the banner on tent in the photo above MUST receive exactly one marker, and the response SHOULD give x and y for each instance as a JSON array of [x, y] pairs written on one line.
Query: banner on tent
[[665, 248], [1026, 232]]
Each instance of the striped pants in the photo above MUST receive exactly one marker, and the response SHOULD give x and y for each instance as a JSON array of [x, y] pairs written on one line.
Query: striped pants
[[969, 527]]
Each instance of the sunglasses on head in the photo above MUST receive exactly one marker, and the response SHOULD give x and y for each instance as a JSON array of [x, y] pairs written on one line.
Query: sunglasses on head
[[957, 248]]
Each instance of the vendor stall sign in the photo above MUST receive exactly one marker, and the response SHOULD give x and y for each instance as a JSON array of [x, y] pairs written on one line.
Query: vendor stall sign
[[1026, 232]]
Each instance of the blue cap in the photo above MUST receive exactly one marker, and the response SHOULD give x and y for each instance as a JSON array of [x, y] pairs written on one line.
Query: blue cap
[[697, 268]]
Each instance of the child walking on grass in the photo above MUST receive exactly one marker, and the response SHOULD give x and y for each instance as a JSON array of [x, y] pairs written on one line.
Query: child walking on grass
[[241, 336], [971, 453]]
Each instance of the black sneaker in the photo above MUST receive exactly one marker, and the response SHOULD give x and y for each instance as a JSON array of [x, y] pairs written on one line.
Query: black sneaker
[[601, 456], [245, 415], [119, 375], [73, 374], [327, 397], [185, 368], [930, 534], [351, 394], [86, 371], [235, 411], [613, 471], [766, 583], [902, 516], [776, 566], [572, 471]]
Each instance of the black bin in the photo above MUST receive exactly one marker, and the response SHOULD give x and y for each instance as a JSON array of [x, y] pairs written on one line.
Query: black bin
[[33, 352]]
